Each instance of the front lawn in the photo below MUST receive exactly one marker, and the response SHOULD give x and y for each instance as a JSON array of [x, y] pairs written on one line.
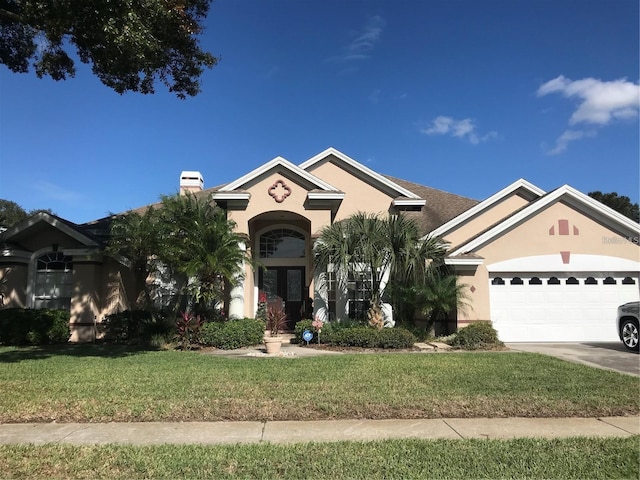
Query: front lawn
[[87, 383], [521, 458]]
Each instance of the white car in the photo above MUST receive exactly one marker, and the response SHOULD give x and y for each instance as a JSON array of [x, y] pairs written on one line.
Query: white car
[[628, 321]]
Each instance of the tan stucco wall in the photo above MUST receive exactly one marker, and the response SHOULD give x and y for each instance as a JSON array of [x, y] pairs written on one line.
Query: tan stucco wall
[[497, 212], [262, 202], [15, 286], [532, 238], [359, 195]]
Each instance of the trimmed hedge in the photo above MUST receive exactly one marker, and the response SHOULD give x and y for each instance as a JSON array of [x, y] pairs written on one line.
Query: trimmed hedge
[[232, 333], [138, 327], [476, 336], [350, 335], [20, 326]]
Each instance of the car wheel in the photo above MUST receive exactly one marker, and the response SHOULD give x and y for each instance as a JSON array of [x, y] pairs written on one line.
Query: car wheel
[[629, 334]]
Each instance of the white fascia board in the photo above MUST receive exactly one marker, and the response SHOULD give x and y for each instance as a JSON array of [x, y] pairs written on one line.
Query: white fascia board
[[325, 195], [485, 204], [278, 161], [361, 168], [14, 253], [464, 261], [409, 202], [564, 191], [231, 195]]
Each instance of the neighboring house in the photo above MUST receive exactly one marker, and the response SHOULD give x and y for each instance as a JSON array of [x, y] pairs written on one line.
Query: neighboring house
[[542, 266]]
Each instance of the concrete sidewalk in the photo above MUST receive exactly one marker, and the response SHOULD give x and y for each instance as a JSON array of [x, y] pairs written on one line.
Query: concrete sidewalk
[[210, 433]]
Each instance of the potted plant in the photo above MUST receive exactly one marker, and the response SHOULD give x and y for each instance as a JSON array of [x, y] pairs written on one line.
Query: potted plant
[[276, 321]]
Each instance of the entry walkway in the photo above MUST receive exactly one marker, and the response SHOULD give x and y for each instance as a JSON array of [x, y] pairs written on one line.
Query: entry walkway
[[211, 433]]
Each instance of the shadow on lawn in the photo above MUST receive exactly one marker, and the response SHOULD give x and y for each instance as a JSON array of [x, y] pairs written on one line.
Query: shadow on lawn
[[19, 354]]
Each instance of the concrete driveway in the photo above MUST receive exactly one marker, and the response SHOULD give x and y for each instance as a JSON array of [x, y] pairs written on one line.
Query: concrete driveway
[[606, 355]]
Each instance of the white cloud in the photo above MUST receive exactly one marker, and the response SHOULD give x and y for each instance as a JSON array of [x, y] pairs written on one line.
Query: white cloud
[[600, 103], [364, 41], [457, 128]]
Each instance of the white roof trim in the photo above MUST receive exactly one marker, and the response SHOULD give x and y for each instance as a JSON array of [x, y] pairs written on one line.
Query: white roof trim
[[358, 166], [325, 195], [464, 261], [526, 212], [278, 161], [485, 204], [230, 195], [409, 202], [54, 222]]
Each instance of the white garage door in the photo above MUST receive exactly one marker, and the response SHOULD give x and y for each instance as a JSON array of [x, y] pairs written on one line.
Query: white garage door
[[559, 307]]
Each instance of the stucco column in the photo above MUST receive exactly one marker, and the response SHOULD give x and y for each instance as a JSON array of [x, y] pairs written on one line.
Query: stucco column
[[236, 300]]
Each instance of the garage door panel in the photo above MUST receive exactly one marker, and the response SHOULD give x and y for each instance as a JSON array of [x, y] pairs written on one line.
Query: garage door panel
[[563, 312]]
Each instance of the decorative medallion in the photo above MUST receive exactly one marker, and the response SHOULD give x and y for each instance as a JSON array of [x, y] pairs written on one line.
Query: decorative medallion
[[279, 191]]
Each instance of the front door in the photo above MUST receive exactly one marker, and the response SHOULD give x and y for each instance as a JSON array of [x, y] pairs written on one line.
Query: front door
[[288, 284]]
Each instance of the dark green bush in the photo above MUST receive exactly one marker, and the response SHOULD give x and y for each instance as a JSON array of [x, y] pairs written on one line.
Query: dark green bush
[[19, 326], [138, 326], [232, 334], [360, 336], [477, 335]]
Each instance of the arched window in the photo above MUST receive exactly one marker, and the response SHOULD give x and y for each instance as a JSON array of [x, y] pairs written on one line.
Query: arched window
[[535, 281], [572, 281], [53, 281], [516, 281], [497, 281], [609, 281], [590, 281], [282, 243], [628, 281], [553, 281]]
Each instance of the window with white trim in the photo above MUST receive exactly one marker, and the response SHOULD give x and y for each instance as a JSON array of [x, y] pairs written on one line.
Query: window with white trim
[[53, 281]]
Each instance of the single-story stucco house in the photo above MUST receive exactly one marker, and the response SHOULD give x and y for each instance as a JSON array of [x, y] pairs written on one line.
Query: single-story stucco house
[[542, 266]]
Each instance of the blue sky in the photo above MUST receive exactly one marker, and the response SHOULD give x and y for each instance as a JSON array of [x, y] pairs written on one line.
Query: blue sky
[[464, 96]]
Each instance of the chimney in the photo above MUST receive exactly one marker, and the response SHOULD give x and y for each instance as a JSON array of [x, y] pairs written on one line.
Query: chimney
[[191, 182]]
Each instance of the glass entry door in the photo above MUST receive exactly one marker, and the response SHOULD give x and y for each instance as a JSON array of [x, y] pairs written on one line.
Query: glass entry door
[[288, 284]]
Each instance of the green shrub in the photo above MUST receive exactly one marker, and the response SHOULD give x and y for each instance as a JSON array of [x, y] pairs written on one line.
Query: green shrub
[[138, 326], [19, 326], [232, 334], [476, 335], [299, 329], [367, 337]]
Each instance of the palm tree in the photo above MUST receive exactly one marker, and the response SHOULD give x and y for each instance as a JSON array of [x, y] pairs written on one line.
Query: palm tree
[[376, 246], [416, 260], [134, 236], [441, 296], [199, 242]]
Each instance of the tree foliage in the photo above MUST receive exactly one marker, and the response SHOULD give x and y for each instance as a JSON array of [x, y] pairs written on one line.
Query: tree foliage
[[620, 203], [129, 43], [198, 241], [135, 236], [189, 236], [379, 247], [11, 213]]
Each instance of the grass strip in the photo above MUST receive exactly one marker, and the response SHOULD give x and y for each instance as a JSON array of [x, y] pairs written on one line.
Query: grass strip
[[102, 384], [592, 458]]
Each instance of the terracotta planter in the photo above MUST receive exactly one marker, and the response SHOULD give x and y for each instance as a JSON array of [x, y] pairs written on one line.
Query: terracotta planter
[[273, 344]]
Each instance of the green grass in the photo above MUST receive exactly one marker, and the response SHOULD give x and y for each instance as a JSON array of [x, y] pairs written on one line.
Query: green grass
[[97, 384], [522, 458]]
